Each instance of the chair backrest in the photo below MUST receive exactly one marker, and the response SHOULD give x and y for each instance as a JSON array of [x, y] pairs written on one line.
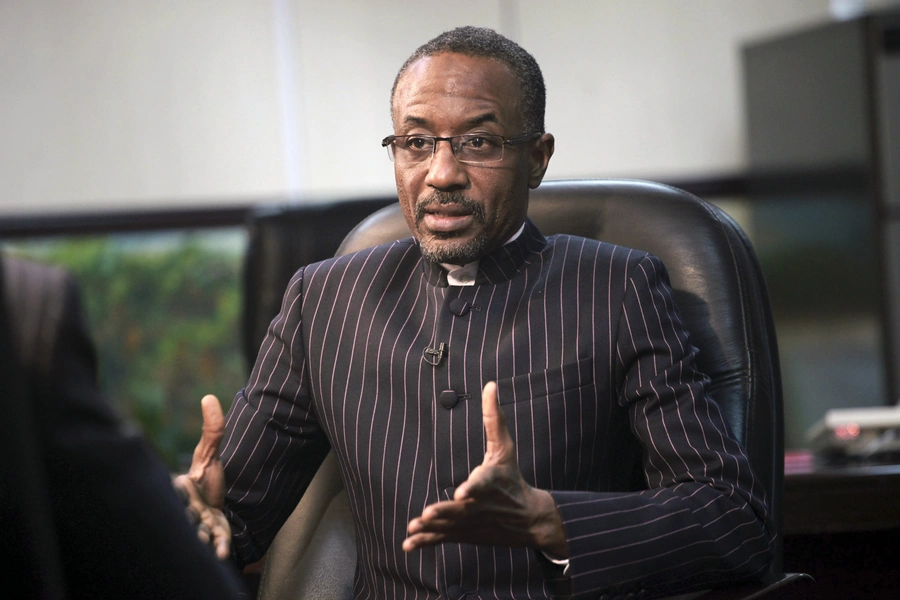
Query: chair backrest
[[717, 281], [283, 238]]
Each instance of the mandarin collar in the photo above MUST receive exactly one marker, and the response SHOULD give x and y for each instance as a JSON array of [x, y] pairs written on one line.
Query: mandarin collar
[[500, 265]]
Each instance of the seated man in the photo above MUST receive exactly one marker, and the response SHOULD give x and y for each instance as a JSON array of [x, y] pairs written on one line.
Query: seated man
[[88, 510], [573, 347]]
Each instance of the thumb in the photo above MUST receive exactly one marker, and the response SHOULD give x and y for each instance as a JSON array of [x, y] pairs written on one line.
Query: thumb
[[499, 446], [207, 450], [213, 419]]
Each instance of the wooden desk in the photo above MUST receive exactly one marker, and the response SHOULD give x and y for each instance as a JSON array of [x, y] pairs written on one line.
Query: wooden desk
[[842, 526], [818, 500]]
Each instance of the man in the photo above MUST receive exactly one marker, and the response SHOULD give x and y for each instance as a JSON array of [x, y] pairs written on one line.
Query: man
[[87, 510], [573, 347]]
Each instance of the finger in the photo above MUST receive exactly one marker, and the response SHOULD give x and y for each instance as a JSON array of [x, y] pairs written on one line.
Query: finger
[[186, 490], [436, 518], [421, 540], [442, 512], [193, 516], [222, 540], [213, 422], [204, 532], [223, 548], [207, 448], [499, 443]]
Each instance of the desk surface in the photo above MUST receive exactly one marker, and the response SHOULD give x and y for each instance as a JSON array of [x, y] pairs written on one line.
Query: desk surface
[[838, 499]]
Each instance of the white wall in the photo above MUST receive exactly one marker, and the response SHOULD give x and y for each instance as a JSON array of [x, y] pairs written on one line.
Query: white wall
[[112, 103]]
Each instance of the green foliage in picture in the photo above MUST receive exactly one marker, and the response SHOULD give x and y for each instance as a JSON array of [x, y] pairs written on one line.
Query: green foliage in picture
[[164, 311]]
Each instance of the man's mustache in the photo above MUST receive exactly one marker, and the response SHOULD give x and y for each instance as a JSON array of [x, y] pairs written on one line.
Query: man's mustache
[[440, 198]]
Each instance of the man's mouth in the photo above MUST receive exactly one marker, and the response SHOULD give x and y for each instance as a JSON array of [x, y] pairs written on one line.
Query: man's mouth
[[448, 214], [446, 218]]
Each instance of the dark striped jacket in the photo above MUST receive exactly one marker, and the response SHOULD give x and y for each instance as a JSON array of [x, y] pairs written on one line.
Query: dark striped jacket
[[597, 382]]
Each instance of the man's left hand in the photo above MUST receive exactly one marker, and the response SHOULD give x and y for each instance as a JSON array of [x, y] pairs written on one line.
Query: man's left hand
[[495, 505]]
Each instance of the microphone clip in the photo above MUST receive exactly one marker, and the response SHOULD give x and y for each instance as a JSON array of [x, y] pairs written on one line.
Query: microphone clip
[[434, 356]]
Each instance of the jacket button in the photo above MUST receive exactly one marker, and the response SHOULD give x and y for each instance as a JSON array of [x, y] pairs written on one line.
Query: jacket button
[[459, 307], [449, 399], [455, 592]]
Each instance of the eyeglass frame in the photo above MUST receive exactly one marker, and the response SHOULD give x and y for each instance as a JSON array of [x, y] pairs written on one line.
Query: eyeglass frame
[[513, 141]]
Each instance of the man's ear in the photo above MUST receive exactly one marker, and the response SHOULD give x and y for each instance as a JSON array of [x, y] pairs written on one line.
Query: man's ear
[[541, 151]]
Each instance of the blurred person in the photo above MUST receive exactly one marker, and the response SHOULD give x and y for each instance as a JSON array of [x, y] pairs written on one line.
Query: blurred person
[[88, 509]]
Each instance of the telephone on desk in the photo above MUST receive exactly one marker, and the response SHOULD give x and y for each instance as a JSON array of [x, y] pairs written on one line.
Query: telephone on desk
[[857, 436]]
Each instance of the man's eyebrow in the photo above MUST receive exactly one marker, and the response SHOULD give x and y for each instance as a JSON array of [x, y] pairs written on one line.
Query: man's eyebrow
[[411, 120], [482, 119], [473, 122]]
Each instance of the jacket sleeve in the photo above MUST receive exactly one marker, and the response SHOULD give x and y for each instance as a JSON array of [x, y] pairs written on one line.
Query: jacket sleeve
[[273, 445], [702, 519]]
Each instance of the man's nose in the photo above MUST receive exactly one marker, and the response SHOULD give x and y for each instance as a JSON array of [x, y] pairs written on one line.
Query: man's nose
[[445, 172]]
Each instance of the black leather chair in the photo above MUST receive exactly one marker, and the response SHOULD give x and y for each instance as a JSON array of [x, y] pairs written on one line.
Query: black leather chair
[[283, 238], [722, 296]]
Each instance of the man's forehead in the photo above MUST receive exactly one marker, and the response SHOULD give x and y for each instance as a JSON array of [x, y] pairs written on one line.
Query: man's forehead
[[443, 64], [445, 75]]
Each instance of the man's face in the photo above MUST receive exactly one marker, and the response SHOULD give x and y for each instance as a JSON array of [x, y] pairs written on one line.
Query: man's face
[[460, 212]]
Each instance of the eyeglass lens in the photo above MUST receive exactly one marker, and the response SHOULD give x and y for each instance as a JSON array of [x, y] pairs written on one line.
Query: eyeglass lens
[[480, 148]]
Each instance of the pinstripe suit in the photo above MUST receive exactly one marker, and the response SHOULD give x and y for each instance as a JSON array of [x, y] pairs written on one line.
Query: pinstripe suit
[[595, 374]]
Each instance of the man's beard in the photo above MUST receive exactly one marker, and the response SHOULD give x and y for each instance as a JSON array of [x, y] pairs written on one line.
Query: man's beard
[[463, 254]]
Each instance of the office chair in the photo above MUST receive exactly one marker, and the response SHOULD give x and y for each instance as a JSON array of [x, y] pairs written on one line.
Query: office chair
[[283, 238], [721, 294]]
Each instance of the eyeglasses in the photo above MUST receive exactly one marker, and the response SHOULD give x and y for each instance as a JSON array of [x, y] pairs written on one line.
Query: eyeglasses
[[472, 148]]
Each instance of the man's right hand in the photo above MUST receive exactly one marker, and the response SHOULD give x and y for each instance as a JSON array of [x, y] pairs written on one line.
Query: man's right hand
[[204, 484]]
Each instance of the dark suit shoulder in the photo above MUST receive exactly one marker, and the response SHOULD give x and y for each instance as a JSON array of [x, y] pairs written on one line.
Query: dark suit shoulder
[[393, 248], [368, 261], [581, 249], [21, 276], [40, 296]]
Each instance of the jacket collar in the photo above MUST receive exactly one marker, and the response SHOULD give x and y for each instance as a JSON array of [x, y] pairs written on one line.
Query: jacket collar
[[500, 265]]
